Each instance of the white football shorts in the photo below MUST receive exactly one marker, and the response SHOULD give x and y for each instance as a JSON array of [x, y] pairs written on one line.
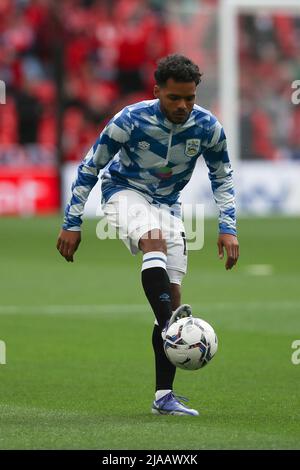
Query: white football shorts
[[132, 215]]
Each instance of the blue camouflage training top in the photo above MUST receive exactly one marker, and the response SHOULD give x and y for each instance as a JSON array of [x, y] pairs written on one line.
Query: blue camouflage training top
[[141, 149]]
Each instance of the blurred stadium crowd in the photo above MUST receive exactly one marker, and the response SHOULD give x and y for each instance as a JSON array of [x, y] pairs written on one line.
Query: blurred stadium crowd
[[84, 59], [70, 65], [269, 54]]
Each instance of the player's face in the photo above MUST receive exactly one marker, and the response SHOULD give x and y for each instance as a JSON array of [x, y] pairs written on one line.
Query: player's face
[[176, 99]]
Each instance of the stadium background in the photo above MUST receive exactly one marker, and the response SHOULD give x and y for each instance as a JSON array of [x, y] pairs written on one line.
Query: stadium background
[[78, 370]]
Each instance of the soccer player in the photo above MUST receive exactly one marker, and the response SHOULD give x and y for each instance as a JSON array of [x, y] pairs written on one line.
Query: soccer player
[[148, 152]]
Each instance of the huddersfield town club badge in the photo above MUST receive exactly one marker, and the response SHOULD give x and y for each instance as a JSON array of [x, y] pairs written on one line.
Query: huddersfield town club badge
[[192, 147]]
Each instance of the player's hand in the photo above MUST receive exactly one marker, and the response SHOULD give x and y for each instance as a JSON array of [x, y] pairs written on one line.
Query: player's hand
[[231, 245], [67, 243]]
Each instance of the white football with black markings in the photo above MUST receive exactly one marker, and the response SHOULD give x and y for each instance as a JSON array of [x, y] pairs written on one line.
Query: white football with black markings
[[190, 343]]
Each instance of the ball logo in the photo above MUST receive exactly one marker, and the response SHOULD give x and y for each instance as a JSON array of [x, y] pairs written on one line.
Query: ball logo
[[192, 147]]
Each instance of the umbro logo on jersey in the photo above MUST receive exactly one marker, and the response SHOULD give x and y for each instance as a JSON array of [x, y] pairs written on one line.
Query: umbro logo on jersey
[[143, 145], [192, 147]]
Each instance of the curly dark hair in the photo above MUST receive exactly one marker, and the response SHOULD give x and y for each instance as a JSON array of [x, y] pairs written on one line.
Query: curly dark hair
[[178, 67]]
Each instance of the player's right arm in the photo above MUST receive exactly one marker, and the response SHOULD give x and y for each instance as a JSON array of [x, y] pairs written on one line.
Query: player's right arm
[[115, 134]]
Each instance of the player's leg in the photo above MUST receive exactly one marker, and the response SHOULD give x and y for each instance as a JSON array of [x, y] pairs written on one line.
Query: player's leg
[[138, 226], [155, 279], [134, 220], [164, 370], [165, 400], [174, 231], [162, 295], [158, 290]]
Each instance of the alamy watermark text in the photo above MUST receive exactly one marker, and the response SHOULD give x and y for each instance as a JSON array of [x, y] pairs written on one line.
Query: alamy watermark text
[[296, 94], [296, 354]]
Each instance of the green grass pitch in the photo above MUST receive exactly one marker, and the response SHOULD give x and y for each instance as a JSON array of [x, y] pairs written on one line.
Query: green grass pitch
[[79, 371]]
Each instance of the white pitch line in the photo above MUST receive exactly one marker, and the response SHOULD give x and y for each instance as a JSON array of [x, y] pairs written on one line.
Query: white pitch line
[[259, 269], [141, 308], [7, 409], [74, 309]]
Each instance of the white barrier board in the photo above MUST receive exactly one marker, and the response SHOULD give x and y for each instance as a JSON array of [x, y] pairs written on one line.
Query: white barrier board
[[262, 188]]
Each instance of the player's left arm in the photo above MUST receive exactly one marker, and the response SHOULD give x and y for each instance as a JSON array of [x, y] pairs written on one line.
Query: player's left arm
[[220, 175]]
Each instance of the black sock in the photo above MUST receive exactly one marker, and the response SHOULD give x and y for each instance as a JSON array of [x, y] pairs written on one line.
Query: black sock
[[157, 288], [164, 370]]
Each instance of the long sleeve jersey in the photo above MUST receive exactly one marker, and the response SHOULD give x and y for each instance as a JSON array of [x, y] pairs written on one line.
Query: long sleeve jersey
[[141, 149]]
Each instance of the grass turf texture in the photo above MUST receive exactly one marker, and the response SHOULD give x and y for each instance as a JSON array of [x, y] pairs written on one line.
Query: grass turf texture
[[81, 377]]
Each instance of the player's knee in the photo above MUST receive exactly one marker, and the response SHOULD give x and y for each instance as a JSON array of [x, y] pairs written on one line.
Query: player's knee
[[153, 241]]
